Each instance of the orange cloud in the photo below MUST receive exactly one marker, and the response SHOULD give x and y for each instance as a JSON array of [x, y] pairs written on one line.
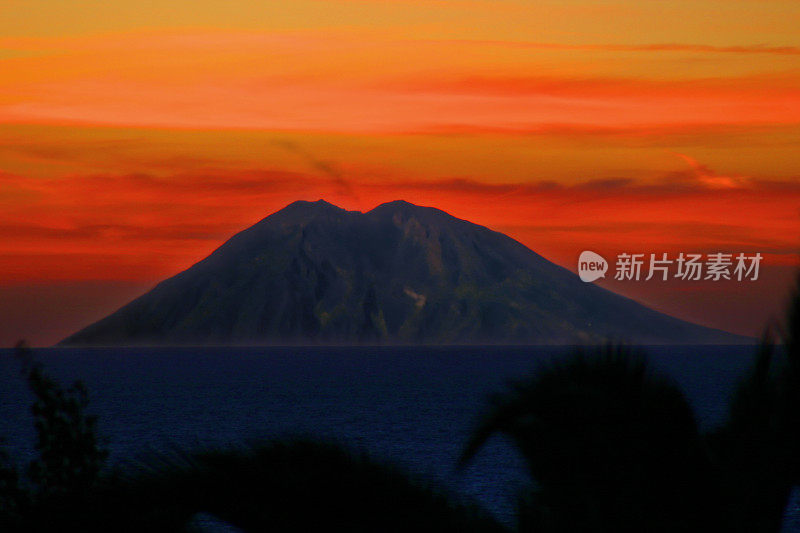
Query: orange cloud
[[655, 47], [709, 178], [365, 83], [92, 218]]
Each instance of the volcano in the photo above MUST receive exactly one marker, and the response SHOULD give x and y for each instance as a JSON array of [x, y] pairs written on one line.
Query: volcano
[[313, 273]]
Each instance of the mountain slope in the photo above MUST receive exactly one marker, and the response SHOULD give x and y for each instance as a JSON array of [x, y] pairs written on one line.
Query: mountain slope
[[315, 273]]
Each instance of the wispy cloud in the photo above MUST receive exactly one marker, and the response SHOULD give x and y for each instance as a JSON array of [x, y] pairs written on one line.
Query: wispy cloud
[[368, 83], [707, 177], [646, 47]]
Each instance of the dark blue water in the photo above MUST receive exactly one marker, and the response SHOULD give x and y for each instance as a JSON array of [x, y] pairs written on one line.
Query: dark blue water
[[411, 406]]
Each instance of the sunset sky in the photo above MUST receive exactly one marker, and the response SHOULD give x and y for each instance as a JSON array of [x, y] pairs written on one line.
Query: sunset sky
[[136, 137]]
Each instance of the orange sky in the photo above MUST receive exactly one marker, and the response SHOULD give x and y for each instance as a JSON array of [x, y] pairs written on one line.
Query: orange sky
[[135, 139]]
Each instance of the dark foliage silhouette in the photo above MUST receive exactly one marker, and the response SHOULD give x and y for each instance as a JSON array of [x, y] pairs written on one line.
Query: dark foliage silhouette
[[69, 457], [296, 485], [758, 450], [11, 494], [612, 447]]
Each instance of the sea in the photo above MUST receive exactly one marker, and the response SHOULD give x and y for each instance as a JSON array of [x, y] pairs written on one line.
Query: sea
[[414, 407]]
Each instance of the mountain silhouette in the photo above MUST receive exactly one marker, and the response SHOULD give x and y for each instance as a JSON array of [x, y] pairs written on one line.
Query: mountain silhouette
[[313, 273]]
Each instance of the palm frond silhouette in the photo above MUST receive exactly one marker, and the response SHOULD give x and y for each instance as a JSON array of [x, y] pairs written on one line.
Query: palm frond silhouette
[[606, 441], [757, 451], [612, 446]]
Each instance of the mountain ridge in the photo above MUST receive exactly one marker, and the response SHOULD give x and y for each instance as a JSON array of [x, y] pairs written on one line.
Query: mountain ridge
[[314, 273]]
